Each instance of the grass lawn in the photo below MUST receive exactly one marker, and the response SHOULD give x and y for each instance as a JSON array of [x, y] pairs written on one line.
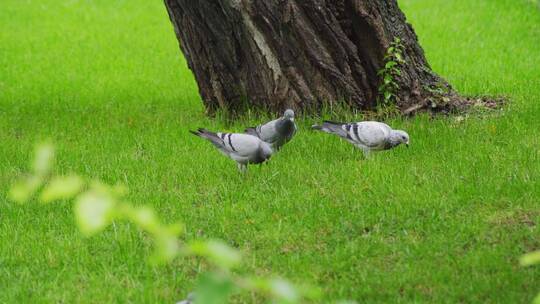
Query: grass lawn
[[443, 221]]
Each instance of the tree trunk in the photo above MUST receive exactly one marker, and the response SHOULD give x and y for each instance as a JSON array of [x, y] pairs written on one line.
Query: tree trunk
[[301, 54]]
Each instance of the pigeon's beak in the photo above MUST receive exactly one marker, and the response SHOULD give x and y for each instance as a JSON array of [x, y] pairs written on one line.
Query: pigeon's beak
[[407, 144]]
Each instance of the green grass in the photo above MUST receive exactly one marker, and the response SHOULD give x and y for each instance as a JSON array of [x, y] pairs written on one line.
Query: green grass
[[443, 221]]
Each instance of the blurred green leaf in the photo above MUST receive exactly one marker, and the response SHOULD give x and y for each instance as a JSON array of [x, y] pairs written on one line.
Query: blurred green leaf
[[176, 229], [530, 259], [43, 159], [24, 189], [145, 218], [119, 190], [60, 188], [284, 291], [310, 292], [213, 289], [537, 299], [216, 252], [94, 211], [167, 248]]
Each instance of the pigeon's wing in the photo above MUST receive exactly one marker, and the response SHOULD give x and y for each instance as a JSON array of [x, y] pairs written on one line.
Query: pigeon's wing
[[231, 143], [252, 131], [268, 131], [370, 134], [242, 148], [241, 144], [248, 149], [367, 134]]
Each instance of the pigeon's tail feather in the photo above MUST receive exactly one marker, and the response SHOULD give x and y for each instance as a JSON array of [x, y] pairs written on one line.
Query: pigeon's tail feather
[[196, 133], [199, 132], [331, 127], [334, 123], [209, 135], [205, 133]]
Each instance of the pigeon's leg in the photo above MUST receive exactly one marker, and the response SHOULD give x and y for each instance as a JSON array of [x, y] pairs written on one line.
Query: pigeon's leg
[[242, 167], [366, 153], [364, 149]]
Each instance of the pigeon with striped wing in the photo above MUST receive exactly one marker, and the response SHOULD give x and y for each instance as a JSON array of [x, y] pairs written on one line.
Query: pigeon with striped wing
[[366, 135], [243, 148]]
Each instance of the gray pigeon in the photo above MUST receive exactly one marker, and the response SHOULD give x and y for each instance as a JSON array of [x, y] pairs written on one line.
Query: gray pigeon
[[243, 148], [366, 135], [276, 132]]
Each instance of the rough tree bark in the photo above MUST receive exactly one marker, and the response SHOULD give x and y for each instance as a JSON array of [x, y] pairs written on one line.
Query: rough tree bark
[[302, 54]]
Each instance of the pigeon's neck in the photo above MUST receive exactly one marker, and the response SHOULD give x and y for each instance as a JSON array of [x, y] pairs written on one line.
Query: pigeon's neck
[[393, 140], [285, 126]]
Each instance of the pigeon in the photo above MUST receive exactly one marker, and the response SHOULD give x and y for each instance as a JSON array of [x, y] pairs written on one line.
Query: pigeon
[[243, 148], [366, 135], [276, 132]]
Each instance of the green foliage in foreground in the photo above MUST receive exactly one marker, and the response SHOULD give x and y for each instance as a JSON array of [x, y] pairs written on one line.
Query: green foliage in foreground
[[443, 221], [98, 205]]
